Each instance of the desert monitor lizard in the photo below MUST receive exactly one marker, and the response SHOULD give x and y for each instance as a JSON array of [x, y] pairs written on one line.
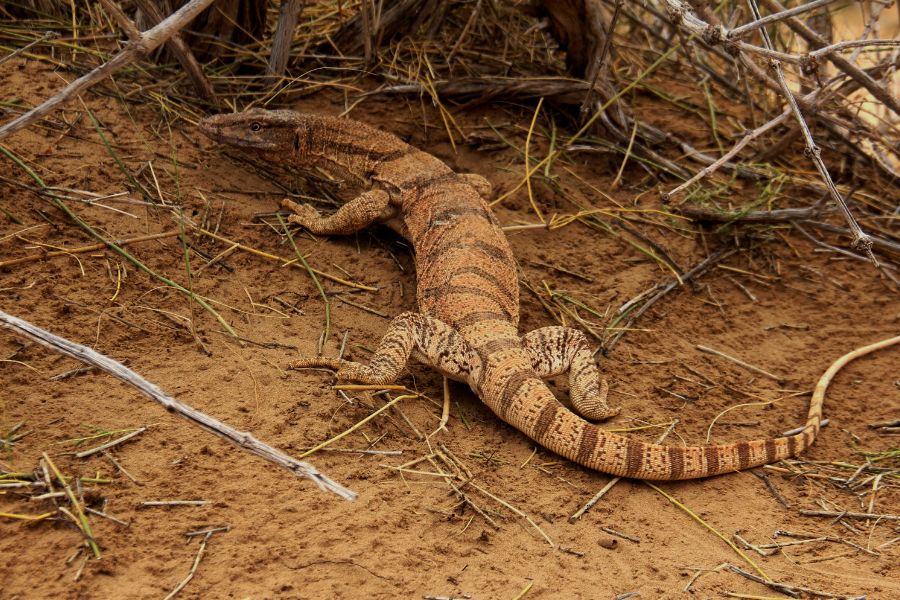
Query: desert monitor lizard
[[468, 298]]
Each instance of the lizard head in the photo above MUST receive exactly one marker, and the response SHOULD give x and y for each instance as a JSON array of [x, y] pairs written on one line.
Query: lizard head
[[255, 129]]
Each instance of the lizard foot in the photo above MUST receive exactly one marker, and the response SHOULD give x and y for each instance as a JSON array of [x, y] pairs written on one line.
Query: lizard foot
[[555, 350], [350, 217], [344, 370], [303, 214], [347, 370], [595, 411], [320, 362]]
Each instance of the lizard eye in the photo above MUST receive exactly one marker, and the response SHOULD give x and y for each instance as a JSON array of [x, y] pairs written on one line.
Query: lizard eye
[[255, 127]]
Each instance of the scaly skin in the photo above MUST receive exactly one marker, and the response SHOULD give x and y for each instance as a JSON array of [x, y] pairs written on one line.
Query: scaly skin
[[468, 297]]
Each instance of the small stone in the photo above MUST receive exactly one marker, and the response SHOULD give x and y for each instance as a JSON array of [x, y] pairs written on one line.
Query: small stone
[[610, 543]]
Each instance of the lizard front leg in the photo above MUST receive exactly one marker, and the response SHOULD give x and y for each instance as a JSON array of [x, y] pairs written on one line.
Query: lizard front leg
[[428, 339], [365, 209], [555, 350]]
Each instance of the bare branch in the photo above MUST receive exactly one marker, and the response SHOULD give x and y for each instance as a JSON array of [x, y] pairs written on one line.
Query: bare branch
[[182, 52], [740, 145], [240, 438], [149, 41], [284, 34], [684, 17], [814, 39], [127, 25], [743, 30], [49, 35], [851, 44], [861, 239]]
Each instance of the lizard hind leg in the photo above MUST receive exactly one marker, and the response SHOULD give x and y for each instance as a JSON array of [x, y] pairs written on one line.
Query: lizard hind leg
[[427, 338], [555, 350]]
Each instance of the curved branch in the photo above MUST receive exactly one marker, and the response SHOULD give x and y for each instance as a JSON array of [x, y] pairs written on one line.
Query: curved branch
[[148, 41]]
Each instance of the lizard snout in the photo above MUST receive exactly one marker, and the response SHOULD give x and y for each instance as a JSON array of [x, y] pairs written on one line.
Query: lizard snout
[[211, 128]]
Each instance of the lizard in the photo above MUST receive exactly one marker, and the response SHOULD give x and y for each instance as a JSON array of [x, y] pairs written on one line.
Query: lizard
[[466, 326]]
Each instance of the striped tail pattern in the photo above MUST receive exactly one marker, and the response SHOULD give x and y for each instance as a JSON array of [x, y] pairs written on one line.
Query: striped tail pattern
[[527, 404]]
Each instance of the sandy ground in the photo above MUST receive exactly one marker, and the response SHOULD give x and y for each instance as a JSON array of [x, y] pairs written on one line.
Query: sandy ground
[[408, 535]]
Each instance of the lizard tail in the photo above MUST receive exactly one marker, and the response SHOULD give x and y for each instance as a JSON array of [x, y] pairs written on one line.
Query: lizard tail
[[525, 402]]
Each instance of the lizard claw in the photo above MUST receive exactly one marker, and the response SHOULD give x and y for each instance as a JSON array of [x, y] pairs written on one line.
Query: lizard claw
[[344, 370], [302, 215]]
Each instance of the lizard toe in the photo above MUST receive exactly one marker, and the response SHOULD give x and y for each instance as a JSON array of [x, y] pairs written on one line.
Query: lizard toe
[[316, 362]]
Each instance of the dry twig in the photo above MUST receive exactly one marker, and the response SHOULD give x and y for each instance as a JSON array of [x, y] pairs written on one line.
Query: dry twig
[[149, 41], [242, 439]]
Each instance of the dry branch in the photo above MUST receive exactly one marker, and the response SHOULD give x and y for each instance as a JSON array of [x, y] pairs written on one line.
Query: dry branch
[[149, 41], [396, 17], [480, 90], [284, 34], [744, 30], [803, 216], [241, 439], [849, 515], [860, 238], [815, 40], [715, 33], [694, 272], [179, 48], [780, 215], [580, 29], [793, 591], [50, 35]]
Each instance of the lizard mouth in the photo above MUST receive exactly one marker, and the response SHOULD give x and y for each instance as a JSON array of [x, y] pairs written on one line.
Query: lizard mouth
[[211, 129]]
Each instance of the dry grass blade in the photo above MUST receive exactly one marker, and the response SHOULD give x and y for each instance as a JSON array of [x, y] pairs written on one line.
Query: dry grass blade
[[80, 518], [283, 261], [61, 205], [357, 425], [791, 590], [327, 334], [534, 206], [89, 248], [740, 363], [181, 585], [716, 532], [47, 36], [19, 517], [110, 444], [515, 510]]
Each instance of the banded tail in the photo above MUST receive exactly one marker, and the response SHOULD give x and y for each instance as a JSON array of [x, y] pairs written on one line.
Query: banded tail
[[521, 399]]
